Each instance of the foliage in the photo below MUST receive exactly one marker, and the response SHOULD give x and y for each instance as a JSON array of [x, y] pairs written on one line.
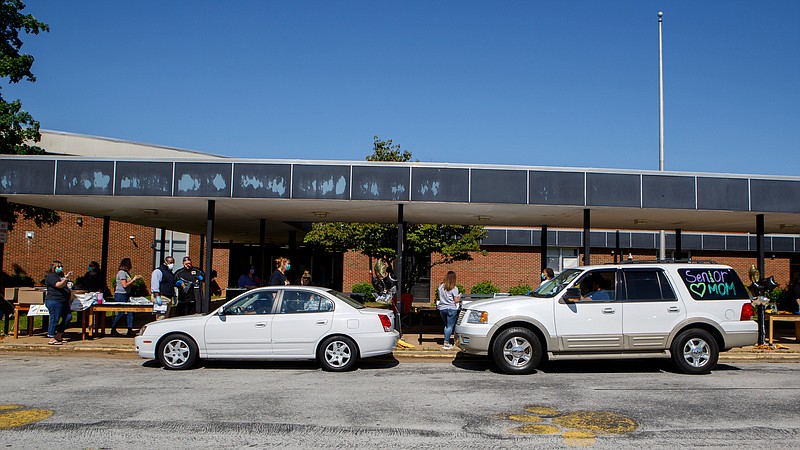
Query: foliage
[[385, 151], [521, 289], [776, 294], [484, 287], [18, 129], [451, 242], [363, 288], [17, 280]]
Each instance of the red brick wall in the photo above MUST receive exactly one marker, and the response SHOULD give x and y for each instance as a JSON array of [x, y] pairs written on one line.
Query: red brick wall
[[77, 245], [356, 270]]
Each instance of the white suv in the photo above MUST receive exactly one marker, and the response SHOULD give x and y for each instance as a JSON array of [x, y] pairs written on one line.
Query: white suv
[[687, 311]]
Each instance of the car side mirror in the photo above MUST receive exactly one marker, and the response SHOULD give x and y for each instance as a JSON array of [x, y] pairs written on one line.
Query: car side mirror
[[222, 312], [572, 295]]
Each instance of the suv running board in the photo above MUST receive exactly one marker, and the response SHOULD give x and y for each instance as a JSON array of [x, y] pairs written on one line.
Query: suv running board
[[617, 355]]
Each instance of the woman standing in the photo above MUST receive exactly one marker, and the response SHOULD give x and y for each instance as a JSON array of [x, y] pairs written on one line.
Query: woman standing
[[449, 297], [122, 294], [547, 275], [57, 302], [278, 278]]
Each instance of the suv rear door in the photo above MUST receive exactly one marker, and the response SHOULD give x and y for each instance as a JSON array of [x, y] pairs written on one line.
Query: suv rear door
[[650, 308]]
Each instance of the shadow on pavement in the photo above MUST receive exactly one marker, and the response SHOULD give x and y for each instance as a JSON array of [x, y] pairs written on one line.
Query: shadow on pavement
[[375, 363]]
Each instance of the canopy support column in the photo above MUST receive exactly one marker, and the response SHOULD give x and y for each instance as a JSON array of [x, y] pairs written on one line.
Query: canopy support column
[[398, 266], [760, 263], [543, 245], [587, 256], [209, 256]]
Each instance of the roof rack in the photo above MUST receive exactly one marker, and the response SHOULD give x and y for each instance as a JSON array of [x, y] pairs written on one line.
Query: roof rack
[[667, 261]]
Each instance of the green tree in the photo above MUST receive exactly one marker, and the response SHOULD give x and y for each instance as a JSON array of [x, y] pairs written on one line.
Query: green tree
[[451, 242], [18, 130]]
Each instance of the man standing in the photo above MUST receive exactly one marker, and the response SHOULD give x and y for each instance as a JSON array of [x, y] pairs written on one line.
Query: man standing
[[162, 285], [190, 294]]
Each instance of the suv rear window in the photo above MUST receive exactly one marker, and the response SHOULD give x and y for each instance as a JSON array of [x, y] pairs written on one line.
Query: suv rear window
[[713, 284]]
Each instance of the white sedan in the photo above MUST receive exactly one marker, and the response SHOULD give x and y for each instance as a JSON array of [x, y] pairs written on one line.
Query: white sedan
[[274, 323]]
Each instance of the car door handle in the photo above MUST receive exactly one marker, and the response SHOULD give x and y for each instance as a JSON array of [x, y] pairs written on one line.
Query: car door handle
[[322, 322], [261, 325], [608, 311], [673, 309]]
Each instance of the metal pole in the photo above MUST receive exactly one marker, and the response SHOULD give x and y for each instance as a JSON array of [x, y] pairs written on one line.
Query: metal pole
[[262, 249], [209, 255], [760, 263], [104, 252], [543, 244], [662, 239], [398, 266], [678, 249], [163, 252], [3, 208], [617, 250], [586, 227]]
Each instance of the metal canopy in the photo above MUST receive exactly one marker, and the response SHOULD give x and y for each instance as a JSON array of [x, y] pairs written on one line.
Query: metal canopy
[[173, 193]]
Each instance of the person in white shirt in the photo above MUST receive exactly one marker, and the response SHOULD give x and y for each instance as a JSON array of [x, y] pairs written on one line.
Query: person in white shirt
[[449, 297]]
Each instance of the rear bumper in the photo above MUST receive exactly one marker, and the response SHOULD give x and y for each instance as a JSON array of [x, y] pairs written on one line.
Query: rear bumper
[[377, 344]]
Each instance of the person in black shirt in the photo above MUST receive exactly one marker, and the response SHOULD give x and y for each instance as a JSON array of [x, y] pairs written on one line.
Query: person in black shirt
[[57, 301], [278, 278], [92, 281], [189, 280]]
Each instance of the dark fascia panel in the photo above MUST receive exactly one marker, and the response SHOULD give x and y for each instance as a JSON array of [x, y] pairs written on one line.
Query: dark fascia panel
[[498, 186], [613, 189], [598, 238], [519, 237], [262, 180], [736, 243], [143, 178], [494, 237], [782, 244], [381, 183], [19, 176], [321, 182], [662, 191], [569, 238], [557, 188], [763, 196], [195, 179], [85, 178], [439, 185], [643, 240], [725, 194], [713, 242]]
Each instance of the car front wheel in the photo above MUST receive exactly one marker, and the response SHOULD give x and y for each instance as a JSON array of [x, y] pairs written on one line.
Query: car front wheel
[[695, 352], [517, 351], [338, 354], [177, 352]]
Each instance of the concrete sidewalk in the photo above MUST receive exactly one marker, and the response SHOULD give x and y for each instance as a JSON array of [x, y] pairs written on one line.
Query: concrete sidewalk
[[427, 345]]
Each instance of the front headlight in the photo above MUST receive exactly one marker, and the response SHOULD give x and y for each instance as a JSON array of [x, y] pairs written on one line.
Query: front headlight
[[141, 330], [478, 317]]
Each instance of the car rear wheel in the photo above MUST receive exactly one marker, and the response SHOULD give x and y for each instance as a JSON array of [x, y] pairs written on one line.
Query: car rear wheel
[[695, 352], [338, 354], [517, 351], [177, 352]]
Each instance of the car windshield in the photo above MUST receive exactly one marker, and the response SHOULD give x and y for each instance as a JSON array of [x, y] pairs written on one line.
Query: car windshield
[[552, 287], [346, 299]]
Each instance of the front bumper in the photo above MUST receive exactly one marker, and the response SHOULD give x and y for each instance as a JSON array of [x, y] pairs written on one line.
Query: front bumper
[[473, 339], [146, 346]]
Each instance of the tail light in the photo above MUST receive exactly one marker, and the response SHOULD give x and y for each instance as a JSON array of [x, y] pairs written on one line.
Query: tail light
[[387, 324], [747, 312]]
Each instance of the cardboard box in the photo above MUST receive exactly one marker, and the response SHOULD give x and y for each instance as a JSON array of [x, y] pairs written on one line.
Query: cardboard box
[[10, 294], [30, 296]]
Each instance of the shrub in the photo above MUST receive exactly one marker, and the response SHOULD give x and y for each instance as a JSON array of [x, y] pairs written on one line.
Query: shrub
[[17, 280], [484, 287], [363, 288], [521, 289]]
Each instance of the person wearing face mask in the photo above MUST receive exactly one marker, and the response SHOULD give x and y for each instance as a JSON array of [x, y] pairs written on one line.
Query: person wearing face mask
[[278, 278], [547, 275], [162, 286], [249, 280], [122, 294], [57, 302], [92, 280], [189, 280]]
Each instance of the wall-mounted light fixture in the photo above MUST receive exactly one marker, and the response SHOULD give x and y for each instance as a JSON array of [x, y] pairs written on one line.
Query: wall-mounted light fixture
[[29, 235], [320, 214], [133, 239], [79, 221], [639, 222], [484, 218]]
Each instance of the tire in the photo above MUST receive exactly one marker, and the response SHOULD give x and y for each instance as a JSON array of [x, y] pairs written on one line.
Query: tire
[[338, 354], [517, 351], [694, 352], [177, 352]]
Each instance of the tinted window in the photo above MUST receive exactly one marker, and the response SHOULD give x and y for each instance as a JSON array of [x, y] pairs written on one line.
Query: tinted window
[[713, 284], [256, 302], [598, 285], [647, 285], [295, 302]]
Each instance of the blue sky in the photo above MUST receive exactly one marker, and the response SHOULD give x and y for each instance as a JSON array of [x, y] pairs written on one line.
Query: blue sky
[[557, 83]]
